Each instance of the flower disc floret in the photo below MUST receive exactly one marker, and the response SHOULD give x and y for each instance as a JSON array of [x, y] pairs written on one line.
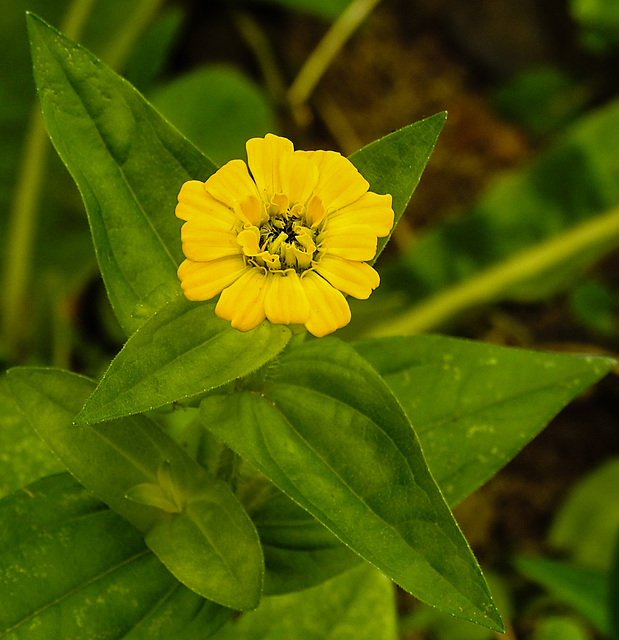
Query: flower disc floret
[[284, 239]]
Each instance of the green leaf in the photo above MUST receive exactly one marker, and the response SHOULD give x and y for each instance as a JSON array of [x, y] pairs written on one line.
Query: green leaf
[[584, 589], [127, 161], [360, 604], [24, 457], [394, 164], [475, 405], [208, 542], [71, 568], [200, 102], [299, 552], [587, 523], [181, 352], [613, 593], [326, 430], [564, 627]]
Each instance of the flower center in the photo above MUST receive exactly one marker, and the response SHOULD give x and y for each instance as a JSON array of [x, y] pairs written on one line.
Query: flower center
[[288, 238]]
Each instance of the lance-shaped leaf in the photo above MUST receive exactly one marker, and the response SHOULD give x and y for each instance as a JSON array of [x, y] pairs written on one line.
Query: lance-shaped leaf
[[394, 164], [327, 431], [127, 161], [71, 568], [193, 523], [182, 351], [475, 405]]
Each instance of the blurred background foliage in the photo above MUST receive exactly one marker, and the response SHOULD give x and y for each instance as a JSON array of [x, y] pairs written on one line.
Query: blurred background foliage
[[510, 238]]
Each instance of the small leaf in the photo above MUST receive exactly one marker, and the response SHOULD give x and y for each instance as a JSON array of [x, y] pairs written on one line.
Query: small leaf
[[68, 565], [360, 605], [394, 164], [182, 351], [475, 405], [326, 430], [128, 163], [113, 458], [584, 589]]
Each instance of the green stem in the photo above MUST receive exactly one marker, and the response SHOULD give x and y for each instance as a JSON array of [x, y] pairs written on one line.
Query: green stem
[[22, 217], [326, 50], [490, 284]]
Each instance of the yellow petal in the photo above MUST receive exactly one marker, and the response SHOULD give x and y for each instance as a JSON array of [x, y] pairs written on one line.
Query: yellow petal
[[253, 210], [315, 211], [352, 246], [371, 211], [194, 203], [231, 184], [339, 183], [204, 280], [356, 279], [264, 156], [248, 240], [242, 303], [286, 302], [299, 176], [328, 307], [201, 246]]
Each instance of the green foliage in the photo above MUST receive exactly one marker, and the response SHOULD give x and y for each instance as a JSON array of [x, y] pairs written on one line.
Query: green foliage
[[70, 566], [367, 481], [469, 402], [128, 163], [587, 524], [238, 469], [585, 589], [204, 537]]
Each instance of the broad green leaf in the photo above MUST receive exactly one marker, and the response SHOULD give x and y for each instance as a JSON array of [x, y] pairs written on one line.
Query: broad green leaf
[[475, 405], [205, 538], [394, 164], [587, 524], [326, 430], [586, 590], [23, 458], [127, 161], [181, 352], [299, 552], [71, 568], [218, 108], [359, 604]]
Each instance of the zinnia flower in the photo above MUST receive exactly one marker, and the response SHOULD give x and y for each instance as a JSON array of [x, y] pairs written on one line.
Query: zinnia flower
[[284, 242]]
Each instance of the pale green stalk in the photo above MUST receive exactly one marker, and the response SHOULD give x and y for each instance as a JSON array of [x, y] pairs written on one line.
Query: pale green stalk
[[327, 49], [490, 284]]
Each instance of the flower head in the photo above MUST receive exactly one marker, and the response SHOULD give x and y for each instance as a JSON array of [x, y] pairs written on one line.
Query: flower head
[[284, 242]]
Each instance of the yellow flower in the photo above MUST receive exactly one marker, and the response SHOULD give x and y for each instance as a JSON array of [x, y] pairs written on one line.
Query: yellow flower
[[283, 242]]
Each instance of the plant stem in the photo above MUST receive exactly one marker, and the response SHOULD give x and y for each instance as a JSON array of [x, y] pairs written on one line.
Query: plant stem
[[22, 218], [490, 284], [326, 50]]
